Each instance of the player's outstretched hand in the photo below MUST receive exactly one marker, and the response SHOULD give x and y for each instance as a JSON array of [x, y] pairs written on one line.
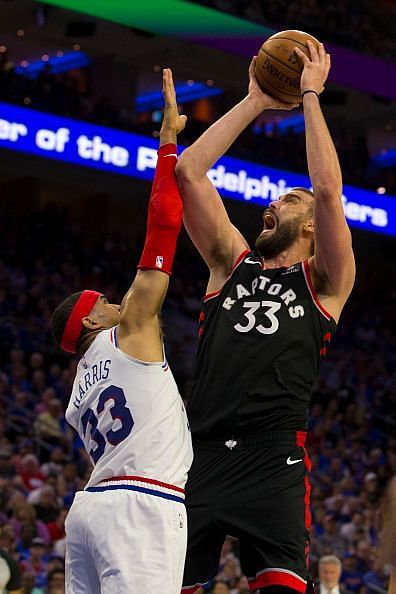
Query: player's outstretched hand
[[255, 92], [173, 123], [316, 69]]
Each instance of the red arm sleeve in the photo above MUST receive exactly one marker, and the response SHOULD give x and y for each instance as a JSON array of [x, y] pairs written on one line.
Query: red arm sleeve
[[164, 214]]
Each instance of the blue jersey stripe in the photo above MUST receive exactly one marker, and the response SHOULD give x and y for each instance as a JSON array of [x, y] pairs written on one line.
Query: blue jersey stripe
[[136, 488]]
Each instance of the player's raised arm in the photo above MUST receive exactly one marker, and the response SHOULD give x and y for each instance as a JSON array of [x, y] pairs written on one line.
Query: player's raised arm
[[205, 217], [139, 327], [333, 261]]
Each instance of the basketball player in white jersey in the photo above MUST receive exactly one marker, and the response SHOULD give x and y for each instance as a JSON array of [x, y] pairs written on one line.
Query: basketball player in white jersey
[[126, 532]]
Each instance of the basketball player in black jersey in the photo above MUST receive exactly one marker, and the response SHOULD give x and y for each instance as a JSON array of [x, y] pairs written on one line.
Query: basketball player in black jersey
[[266, 322]]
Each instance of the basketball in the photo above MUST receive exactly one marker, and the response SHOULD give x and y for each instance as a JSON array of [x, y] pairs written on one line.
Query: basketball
[[278, 69]]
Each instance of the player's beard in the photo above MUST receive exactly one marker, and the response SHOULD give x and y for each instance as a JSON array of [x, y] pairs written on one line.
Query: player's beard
[[286, 233]]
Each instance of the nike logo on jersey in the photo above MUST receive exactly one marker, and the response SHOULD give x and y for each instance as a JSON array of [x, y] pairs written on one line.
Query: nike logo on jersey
[[293, 268], [170, 155], [289, 461], [249, 261]]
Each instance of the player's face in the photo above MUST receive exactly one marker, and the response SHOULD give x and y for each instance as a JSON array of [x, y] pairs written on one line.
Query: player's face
[[105, 313], [283, 222]]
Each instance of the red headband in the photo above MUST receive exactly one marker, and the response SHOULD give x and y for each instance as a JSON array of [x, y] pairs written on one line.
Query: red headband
[[74, 325]]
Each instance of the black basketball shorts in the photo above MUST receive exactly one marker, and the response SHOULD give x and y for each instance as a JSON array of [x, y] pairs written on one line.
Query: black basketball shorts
[[257, 490]]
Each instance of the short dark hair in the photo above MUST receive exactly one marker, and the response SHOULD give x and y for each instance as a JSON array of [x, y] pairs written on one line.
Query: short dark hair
[[61, 316], [303, 190], [54, 571]]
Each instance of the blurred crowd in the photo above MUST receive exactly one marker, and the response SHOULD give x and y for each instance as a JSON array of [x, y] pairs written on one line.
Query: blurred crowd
[[69, 94], [48, 254], [357, 24]]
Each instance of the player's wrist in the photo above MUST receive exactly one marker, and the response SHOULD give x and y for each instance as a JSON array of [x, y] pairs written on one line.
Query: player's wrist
[[257, 102], [167, 137]]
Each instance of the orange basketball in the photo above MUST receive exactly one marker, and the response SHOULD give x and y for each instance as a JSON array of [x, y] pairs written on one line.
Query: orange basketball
[[278, 69]]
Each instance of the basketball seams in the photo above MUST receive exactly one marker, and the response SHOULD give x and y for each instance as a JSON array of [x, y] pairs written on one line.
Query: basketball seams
[[280, 61], [275, 66], [290, 39], [265, 82]]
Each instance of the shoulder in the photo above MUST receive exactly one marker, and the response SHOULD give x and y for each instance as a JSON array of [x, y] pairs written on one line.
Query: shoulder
[[219, 277]]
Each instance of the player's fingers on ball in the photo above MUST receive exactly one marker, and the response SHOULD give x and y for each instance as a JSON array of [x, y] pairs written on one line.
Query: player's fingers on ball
[[313, 52], [322, 52], [327, 65], [252, 65], [328, 61], [301, 55]]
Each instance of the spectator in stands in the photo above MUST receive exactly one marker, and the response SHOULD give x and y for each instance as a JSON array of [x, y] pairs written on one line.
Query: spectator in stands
[[28, 584], [57, 527], [51, 424], [351, 578], [230, 573], [242, 586], [27, 526], [56, 581], [55, 464], [330, 568], [36, 563], [364, 555], [68, 483], [47, 508], [31, 474], [47, 395], [7, 468], [375, 579], [221, 587], [10, 573], [348, 530], [331, 541]]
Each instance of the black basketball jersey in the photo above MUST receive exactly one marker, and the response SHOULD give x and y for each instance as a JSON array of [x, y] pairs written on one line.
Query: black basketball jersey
[[262, 337]]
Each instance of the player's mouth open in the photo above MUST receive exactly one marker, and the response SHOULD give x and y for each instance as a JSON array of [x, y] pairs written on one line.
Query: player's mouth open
[[269, 222]]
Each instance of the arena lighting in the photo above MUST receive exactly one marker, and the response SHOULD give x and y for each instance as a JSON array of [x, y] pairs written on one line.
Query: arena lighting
[[385, 158], [232, 35], [132, 155], [59, 63], [174, 17], [294, 123], [184, 93]]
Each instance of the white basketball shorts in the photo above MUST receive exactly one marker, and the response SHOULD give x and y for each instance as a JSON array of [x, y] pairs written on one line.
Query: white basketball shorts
[[126, 537]]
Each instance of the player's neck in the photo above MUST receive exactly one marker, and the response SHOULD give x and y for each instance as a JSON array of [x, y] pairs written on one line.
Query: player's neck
[[87, 340], [287, 258]]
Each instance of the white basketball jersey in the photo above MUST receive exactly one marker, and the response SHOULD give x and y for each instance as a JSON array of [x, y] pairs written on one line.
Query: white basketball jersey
[[130, 416]]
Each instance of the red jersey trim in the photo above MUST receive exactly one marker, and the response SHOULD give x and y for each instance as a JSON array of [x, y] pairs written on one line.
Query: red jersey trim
[[311, 288], [278, 577], [307, 484], [191, 589], [301, 437], [143, 479], [236, 264]]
